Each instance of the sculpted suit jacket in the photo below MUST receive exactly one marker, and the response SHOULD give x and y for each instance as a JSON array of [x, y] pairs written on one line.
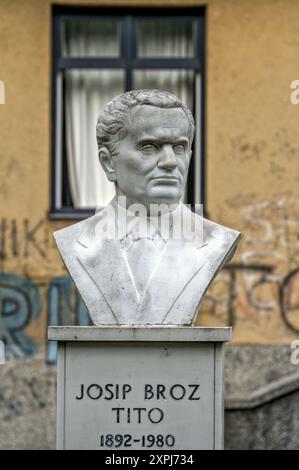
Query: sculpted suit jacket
[[175, 288]]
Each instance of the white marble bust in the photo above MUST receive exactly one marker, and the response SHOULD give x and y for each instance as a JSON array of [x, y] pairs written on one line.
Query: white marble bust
[[137, 267]]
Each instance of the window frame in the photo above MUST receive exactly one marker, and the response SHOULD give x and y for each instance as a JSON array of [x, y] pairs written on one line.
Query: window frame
[[127, 61]]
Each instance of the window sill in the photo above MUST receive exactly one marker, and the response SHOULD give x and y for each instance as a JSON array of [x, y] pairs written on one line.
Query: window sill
[[70, 214]]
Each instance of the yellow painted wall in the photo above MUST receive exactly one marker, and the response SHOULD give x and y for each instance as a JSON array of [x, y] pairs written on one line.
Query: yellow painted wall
[[252, 154]]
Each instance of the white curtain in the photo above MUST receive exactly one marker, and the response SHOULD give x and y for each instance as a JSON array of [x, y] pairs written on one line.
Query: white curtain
[[178, 82], [168, 39], [87, 91], [92, 38]]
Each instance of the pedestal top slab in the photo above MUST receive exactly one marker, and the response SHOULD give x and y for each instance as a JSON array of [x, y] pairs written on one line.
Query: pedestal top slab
[[139, 333]]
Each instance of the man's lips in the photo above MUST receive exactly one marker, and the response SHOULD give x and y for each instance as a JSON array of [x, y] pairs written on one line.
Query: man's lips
[[167, 177]]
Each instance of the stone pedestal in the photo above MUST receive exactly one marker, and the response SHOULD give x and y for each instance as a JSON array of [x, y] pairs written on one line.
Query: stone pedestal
[[145, 387]]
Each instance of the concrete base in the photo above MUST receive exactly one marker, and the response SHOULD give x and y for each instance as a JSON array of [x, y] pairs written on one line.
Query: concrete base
[[140, 388]]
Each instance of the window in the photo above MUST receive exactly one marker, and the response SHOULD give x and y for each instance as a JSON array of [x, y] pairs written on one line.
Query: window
[[99, 53]]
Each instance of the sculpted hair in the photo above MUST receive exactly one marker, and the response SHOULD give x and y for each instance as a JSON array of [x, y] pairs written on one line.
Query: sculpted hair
[[112, 122]]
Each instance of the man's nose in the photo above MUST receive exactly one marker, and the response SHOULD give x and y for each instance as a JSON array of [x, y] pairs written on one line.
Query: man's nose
[[167, 158]]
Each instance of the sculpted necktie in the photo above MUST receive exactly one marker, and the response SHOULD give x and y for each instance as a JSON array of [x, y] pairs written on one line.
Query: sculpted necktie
[[143, 256]]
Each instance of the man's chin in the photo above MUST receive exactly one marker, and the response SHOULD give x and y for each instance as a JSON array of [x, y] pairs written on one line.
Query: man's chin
[[164, 198], [169, 198]]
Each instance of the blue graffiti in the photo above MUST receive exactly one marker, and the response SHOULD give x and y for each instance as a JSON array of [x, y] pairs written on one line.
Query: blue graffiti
[[82, 315], [20, 305], [65, 307]]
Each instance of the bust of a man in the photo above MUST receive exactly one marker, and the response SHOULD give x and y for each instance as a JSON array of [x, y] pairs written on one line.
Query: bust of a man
[[145, 258]]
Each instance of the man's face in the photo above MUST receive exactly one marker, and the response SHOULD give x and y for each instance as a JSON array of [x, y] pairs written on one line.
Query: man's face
[[153, 159]]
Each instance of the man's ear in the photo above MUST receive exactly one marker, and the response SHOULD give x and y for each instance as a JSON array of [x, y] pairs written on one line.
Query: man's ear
[[107, 163]]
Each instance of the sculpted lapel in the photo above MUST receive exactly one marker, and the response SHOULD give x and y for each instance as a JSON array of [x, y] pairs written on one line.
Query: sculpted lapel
[[180, 262], [103, 260]]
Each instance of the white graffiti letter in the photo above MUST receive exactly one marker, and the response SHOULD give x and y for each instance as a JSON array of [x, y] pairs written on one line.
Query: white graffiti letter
[[2, 352], [248, 213], [295, 354], [2, 92], [294, 95]]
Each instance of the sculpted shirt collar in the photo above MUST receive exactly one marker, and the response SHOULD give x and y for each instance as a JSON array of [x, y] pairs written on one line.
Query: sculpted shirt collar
[[151, 227], [104, 225]]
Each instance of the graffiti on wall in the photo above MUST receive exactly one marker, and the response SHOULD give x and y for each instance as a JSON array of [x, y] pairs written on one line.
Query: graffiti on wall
[[267, 277], [264, 281], [22, 302], [22, 238], [2, 92], [20, 305]]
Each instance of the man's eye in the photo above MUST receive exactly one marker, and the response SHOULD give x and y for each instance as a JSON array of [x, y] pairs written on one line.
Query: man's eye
[[148, 148], [179, 148]]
